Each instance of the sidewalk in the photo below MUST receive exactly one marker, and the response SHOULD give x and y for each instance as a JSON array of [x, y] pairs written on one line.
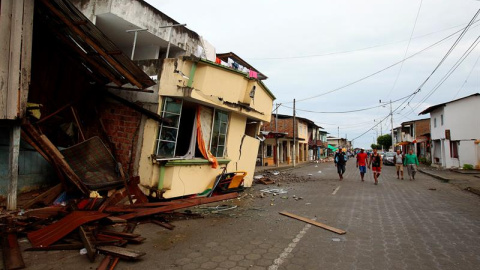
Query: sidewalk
[[461, 179]]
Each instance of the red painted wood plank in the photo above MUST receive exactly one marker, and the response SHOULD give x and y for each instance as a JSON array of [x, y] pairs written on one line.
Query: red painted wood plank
[[56, 231], [141, 212]]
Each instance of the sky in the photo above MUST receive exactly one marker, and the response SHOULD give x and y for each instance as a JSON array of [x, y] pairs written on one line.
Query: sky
[[347, 55]]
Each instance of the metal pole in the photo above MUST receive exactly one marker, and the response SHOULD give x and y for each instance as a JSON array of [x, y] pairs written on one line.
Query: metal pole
[[135, 39], [276, 136], [391, 122], [170, 35], [294, 134]]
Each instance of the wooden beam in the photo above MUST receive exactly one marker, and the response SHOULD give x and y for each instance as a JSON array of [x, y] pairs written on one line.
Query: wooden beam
[[130, 89], [13, 98], [121, 252], [87, 243], [56, 156], [313, 222], [14, 150], [136, 107], [77, 121], [92, 43], [26, 56]]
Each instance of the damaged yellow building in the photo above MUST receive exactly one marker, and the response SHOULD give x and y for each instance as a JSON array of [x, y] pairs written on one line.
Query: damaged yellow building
[[206, 106]]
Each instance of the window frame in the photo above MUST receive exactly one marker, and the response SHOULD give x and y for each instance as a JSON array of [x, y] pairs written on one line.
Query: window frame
[[441, 119], [161, 126], [454, 149], [434, 122], [219, 127]]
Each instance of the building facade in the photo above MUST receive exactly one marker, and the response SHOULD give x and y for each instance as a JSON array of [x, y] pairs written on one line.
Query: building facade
[[455, 132]]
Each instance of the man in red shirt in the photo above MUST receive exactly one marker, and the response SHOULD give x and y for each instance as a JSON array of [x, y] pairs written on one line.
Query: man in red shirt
[[362, 162], [376, 163]]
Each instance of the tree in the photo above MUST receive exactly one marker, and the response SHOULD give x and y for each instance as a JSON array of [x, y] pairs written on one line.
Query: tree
[[385, 141], [375, 146]]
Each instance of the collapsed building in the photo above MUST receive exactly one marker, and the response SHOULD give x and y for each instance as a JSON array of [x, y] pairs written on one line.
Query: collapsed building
[[122, 76]]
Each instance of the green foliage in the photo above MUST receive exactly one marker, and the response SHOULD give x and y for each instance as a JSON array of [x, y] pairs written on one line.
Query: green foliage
[[385, 141], [425, 161], [375, 146], [467, 166]]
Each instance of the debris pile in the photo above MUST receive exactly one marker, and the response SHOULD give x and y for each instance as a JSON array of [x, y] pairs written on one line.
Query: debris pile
[[95, 207], [279, 178]]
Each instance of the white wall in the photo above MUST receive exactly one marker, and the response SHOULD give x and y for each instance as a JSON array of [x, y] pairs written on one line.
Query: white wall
[[460, 117]]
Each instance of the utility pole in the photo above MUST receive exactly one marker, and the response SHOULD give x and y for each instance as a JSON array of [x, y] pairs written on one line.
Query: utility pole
[[294, 134], [277, 155], [391, 122]]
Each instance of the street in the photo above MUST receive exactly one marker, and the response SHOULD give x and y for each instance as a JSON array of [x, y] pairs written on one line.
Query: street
[[421, 224]]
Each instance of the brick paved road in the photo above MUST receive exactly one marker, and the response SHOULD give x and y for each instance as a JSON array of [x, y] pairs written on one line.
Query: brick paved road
[[394, 225]]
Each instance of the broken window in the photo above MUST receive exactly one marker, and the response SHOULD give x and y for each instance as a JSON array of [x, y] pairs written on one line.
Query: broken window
[[219, 133], [175, 134]]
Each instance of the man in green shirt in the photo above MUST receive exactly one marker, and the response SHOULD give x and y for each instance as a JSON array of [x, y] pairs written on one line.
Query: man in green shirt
[[411, 162]]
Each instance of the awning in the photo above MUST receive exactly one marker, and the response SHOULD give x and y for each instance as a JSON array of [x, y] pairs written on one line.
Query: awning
[[403, 143], [332, 148], [98, 53]]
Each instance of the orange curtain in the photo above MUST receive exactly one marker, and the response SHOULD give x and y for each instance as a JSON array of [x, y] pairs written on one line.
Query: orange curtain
[[201, 143]]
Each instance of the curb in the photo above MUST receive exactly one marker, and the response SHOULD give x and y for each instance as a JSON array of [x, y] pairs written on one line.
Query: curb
[[443, 179]]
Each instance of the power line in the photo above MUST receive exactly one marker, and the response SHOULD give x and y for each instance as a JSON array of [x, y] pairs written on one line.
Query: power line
[[351, 111], [353, 50], [436, 68], [379, 71], [449, 73], [406, 50], [468, 77]]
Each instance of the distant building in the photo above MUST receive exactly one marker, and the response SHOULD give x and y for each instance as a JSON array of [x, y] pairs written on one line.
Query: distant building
[[455, 132], [414, 135], [310, 140]]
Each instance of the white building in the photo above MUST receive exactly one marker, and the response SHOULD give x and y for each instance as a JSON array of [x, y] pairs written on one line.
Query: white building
[[455, 132]]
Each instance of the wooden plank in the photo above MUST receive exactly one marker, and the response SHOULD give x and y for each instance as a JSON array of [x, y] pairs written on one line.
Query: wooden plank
[[14, 149], [120, 234], [104, 263], [77, 121], [12, 253], [163, 224], [313, 222], [5, 31], [46, 198], [13, 97], [123, 253], [116, 220], [141, 212], [87, 243], [26, 56], [138, 108], [136, 240], [55, 155]]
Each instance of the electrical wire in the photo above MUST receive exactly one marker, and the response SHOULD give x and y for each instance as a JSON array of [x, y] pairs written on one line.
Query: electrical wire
[[406, 50], [351, 111], [353, 50], [448, 74], [468, 77], [379, 71], [434, 70]]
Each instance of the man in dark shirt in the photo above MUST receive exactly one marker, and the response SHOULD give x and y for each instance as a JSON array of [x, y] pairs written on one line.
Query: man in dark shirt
[[340, 161]]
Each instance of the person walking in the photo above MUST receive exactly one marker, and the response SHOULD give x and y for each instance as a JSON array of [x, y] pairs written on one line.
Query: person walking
[[376, 163], [340, 162], [362, 163], [399, 163], [411, 161]]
